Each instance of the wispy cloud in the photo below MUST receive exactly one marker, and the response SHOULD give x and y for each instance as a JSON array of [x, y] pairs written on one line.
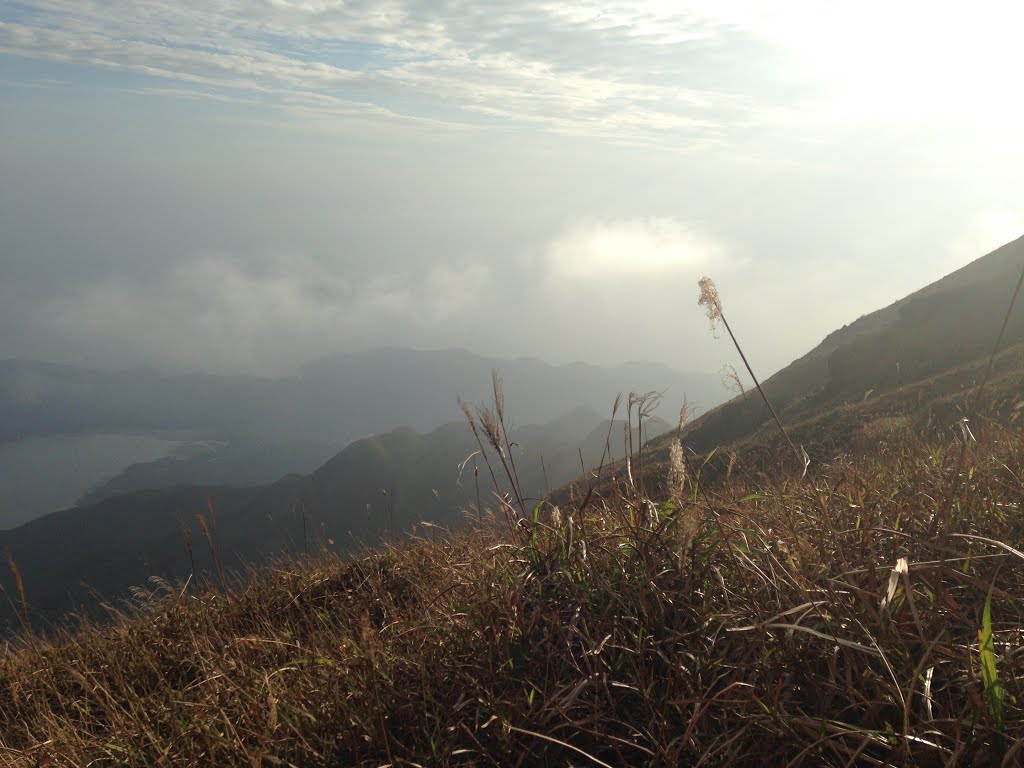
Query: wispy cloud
[[638, 72]]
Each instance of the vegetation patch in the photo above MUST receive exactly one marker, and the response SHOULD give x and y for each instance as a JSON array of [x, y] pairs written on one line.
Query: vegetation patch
[[885, 427], [829, 620]]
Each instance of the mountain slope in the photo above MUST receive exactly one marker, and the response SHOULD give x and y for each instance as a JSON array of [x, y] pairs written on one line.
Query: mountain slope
[[257, 429], [937, 329], [375, 486], [686, 631]]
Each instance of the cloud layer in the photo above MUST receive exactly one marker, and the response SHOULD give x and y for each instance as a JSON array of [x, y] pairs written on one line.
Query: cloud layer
[[634, 72], [247, 184], [220, 310]]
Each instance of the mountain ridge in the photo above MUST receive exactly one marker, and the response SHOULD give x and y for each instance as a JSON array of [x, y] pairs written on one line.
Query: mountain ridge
[[377, 487], [270, 427], [947, 323]]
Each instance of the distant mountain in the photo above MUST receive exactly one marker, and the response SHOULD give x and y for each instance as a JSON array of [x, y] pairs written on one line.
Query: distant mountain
[[905, 364], [388, 482], [209, 463], [339, 398], [257, 429]]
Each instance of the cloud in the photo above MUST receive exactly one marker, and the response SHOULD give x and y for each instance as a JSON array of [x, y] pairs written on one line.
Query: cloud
[[631, 248], [248, 69], [432, 136], [638, 73], [215, 312]]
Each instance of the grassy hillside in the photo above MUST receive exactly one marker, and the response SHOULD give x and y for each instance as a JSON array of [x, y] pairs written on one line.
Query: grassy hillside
[[872, 616], [948, 324]]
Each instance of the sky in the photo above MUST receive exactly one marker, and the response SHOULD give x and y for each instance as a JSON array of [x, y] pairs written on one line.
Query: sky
[[240, 186]]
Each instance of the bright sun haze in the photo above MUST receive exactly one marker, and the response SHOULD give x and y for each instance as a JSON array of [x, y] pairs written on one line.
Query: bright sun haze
[[246, 186]]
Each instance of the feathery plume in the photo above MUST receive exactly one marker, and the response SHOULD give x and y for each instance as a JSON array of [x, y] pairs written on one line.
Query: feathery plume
[[711, 302]]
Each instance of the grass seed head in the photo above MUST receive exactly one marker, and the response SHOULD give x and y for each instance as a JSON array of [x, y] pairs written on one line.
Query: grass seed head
[[711, 302], [676, 470]]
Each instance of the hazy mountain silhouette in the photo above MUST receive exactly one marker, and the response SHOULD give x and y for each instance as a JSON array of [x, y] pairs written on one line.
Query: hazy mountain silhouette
[[386, 483], [237, 463], [264, 428], [338, 398]]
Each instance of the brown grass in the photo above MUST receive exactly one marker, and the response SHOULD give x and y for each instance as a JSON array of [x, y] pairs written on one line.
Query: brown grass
[[756, 622]]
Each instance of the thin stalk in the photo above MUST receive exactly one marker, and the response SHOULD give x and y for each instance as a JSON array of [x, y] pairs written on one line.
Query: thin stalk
[[954, 484], [709, 295], [510, 468]]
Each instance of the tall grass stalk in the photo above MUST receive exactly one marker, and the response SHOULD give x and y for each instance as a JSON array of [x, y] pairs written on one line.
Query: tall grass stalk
[[712, 303]]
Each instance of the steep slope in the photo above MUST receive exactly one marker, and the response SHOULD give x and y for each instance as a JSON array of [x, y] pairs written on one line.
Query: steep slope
[[761, 630], [937, 329]]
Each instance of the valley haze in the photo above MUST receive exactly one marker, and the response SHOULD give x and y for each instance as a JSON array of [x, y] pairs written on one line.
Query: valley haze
[[69, 433]]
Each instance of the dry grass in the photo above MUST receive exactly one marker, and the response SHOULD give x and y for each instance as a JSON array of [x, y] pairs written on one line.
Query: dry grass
[[767, 620]]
